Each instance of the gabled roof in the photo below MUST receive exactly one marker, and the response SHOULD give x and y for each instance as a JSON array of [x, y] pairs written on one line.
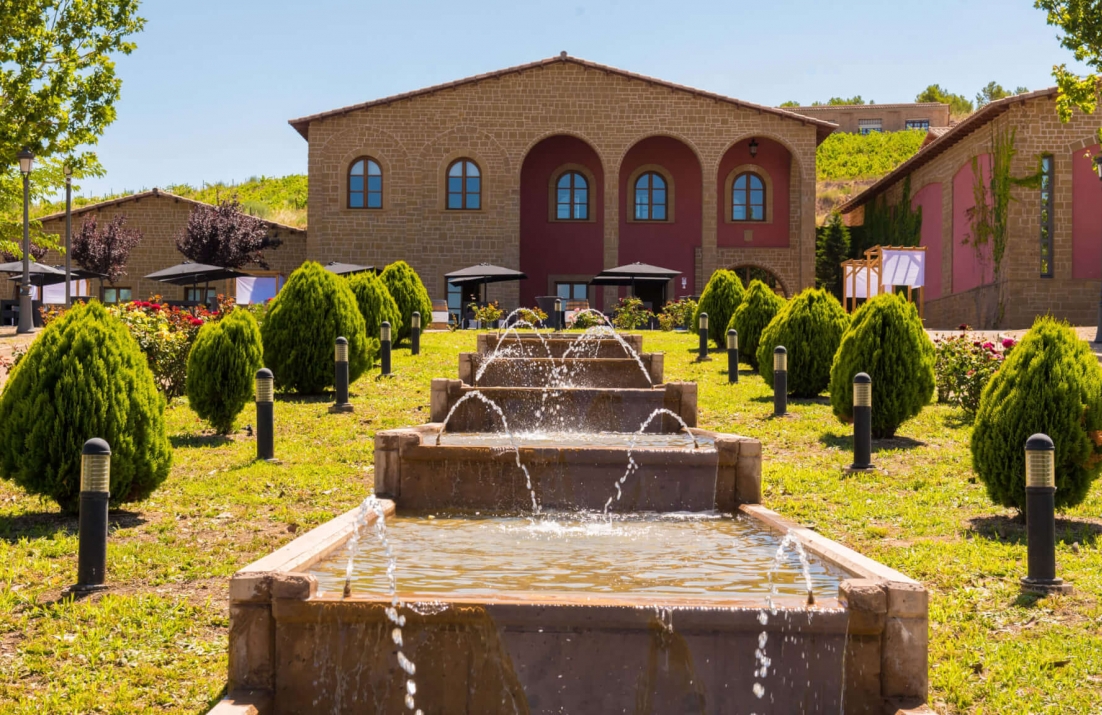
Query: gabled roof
[[823, 128], [940, 144], [157, 193]]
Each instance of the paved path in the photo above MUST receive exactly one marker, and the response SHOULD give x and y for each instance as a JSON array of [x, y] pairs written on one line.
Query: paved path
[[8, 342]]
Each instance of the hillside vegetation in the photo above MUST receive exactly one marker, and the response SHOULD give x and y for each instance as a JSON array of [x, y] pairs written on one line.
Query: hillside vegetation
[[850, 157]]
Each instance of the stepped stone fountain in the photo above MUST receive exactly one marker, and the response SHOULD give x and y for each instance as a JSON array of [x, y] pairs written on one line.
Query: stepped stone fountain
[[591, 429]]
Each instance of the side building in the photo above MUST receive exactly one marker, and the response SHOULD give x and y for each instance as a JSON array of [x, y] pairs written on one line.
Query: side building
[[1052, 262], [866, 118], [562, 168]]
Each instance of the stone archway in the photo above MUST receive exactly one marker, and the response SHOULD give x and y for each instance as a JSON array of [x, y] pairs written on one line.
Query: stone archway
[[749, 271]]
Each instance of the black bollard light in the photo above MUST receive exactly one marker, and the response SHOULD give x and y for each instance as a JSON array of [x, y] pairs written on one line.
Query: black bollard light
[[780, 381], [95, 492], [265, 414], [558, 314], [340, 381], [1040, 514], [702, 330], [384, 351], [732, 355], [862, 423], [415, 334]]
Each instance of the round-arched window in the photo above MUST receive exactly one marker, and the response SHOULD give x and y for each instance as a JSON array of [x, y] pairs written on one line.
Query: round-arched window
[[748, 198], [650, 197], [464, 186], [572, 197], [365, 184]]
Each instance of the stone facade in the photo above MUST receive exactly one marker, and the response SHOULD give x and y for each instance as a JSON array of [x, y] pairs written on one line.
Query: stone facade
[[1072, 291], [892, 117], [160, 216], [497, 120]]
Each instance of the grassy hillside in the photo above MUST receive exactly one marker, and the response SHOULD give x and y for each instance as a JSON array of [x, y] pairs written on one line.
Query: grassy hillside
[[849, 157]]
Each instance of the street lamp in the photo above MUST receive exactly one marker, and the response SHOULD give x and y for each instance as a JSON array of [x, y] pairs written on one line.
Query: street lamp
[[1098, 330], [68, 235], [26, 319]]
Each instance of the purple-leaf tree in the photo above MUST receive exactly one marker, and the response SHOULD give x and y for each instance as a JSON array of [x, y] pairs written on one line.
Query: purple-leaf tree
[[37, 253], [225, 236], [105, 249]]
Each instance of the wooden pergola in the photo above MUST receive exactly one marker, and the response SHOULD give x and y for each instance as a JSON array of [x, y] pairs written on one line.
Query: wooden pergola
[[865, 278]]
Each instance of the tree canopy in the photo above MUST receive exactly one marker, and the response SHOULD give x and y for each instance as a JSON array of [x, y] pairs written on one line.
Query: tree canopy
[[958, 103], [1081, 23], [226, 236], [993, 90], [105, 249]]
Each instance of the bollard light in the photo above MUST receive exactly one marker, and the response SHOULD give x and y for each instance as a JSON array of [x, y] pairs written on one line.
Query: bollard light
[[1040, 513], [95, 493], [702, 330], [415, 334], [780, 381], [384, 351], [558, 314], [862, 422], [732, 355], [340, 377], [265, 414]]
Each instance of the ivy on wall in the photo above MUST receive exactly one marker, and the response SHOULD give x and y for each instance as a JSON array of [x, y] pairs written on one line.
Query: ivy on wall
[[896, 225]]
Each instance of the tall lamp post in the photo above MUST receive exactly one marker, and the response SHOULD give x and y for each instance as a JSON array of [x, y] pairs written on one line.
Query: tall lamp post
[[68, 235], [1098, 331], [26, 318]]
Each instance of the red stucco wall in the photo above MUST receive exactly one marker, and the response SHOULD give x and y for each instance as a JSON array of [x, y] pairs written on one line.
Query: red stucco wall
[[776, 161], [557, 247], [929, 198], [1086, 215], [668, 244], [968, 271]]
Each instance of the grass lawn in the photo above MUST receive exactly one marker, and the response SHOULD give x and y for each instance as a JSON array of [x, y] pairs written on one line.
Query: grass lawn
[[156, 641]]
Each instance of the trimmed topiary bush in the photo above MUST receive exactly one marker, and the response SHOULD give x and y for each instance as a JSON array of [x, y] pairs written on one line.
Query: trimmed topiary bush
[[83, 377], [409, 293], [221, 369], [720, 298], [810, 326], [304, 320], [886, 340], [1050, 383], [376, 303], [759, 306]]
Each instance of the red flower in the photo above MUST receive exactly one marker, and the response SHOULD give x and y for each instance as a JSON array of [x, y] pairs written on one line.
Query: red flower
[[1009, 343]]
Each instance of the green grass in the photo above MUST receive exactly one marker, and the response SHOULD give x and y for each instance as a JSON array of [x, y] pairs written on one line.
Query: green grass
[[156, 641]]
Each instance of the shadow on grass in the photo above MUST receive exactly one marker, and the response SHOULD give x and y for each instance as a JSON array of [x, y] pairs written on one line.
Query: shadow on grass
[[1012, 530], [198, 440], [958, 419], [845, 442], [296, 399], [39, 524], [794, 400]]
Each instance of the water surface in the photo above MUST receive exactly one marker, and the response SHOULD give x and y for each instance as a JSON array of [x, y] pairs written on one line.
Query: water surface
[[557, 438]]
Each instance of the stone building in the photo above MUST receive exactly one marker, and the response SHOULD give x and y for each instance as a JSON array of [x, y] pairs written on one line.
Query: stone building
[[865, 118], [562, 168], [160, 216], [1053, 256]]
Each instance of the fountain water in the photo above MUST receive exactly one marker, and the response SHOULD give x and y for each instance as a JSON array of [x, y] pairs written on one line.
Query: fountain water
[[632, 466]]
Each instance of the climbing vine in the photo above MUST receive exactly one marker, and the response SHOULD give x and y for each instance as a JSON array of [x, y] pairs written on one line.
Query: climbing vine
[[898, 225]]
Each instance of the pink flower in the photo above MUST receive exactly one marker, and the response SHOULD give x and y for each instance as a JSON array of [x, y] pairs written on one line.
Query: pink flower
[[1009, 343]]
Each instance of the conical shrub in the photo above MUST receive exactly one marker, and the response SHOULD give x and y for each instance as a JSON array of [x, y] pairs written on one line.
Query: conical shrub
[[810, 326], [221, 369], [376, 303], [759, 306], [409, 293], [83, 377], [303, 323], [886, 340], [720, 298], [1050, 383]]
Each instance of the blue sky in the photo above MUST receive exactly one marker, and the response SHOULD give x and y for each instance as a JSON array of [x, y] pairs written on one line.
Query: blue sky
[[207, 94]]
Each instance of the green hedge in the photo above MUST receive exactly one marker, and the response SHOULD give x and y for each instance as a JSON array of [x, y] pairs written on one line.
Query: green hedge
[[409, 293], [1051, 383], [886, 340], [221, 369], [759, 306], [304, 320], [376, 303], [720, 298], [83, 377], [810, 326]]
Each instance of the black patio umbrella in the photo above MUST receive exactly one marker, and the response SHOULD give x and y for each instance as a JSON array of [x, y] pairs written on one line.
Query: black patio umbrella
[[483, 273], [191, 274], [38, 272], [634, 273], [346, 269]]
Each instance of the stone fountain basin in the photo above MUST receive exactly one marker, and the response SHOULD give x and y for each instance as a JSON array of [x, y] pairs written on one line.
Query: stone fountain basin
[[595, 346], [294, 648], [419, 474], [589, 409], [606, 372]]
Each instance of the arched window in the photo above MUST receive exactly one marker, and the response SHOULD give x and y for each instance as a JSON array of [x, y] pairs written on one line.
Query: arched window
[[748, 198], [750, 273], [572, 197], [365, 185], [650, 197], [464, 186]]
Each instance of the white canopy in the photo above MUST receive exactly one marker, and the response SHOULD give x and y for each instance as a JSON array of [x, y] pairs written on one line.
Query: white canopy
[[857, 280], [903, 268]]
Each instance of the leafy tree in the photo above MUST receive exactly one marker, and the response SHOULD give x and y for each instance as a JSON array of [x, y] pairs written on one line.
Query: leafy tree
[[831, 248], [720, 298], [376, 303], [886, 340], [959, 105], [759, 306], [221, 369], [1081, 23], [83, 377], [409, 293], [1050, 383], [12, 253], [810, 326], [226, 236], [855, 100], [105, 250], [992, 91], [789, 103]]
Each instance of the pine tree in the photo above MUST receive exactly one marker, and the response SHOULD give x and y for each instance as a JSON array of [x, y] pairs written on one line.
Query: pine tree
[[376, 303], [759, 306], [221, 369], [720, 298], [407, 290], [831, 248], [810, 326]]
